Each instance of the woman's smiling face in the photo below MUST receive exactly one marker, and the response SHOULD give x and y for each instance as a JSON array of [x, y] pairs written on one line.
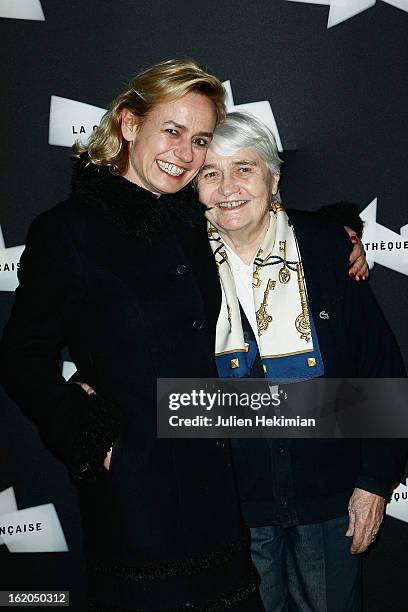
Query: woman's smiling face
[[237, 189], [168, 148]]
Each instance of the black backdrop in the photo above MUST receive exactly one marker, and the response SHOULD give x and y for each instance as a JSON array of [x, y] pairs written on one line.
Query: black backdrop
[[339, 97]]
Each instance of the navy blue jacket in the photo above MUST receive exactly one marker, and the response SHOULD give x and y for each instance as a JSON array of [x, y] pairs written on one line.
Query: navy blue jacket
[[302, 481]]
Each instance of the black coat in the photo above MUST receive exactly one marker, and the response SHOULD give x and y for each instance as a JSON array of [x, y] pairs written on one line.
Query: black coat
[[301, 481], [128, 283]]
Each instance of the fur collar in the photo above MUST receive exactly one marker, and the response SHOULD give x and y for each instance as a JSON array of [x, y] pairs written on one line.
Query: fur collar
[[133, 209]]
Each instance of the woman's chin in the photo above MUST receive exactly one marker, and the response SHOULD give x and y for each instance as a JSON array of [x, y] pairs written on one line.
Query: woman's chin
[[170, 184]]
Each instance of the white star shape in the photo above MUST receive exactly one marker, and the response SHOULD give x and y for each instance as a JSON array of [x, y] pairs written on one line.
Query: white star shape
[[398, 506], [22, 9], [9, 257], [341, 10], [261, 110], [50, 538], [384, 246]]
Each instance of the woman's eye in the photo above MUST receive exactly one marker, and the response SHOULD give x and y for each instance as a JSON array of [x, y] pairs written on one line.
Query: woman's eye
[[209, 175], [201, 142], [171, 131], [244, 169]]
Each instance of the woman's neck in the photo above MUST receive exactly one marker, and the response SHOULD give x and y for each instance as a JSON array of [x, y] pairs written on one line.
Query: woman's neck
[[245, 244]]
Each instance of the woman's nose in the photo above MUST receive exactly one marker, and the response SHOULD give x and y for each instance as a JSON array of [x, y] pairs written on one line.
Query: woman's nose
[[228, 186], [184, 151]]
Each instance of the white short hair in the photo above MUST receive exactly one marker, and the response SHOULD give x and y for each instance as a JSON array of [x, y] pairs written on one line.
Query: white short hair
[[241, 130]]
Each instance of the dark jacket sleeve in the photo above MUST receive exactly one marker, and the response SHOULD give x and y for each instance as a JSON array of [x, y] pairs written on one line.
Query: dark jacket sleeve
[[344, 213], [77, 428], [376, 355]]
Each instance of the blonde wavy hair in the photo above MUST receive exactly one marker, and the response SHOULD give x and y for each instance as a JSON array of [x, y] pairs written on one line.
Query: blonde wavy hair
[[163, 82]]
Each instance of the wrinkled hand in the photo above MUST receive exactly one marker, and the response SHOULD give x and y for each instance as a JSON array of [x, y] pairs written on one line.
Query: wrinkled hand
[[366, 512], [90, 391], [358, 263]]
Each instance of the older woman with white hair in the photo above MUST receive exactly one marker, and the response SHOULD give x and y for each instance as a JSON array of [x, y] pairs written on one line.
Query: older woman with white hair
[[289, 310]]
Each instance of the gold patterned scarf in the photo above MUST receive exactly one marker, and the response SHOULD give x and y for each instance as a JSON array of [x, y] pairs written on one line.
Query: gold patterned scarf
[[287, 341]]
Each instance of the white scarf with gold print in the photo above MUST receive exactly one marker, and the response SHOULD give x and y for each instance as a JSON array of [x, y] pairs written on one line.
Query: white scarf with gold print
[[280, 296]]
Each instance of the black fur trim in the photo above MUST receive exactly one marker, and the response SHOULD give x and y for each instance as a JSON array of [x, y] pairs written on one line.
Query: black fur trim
[[226, 601], [185, 567], [134, 210], [98, 429]]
